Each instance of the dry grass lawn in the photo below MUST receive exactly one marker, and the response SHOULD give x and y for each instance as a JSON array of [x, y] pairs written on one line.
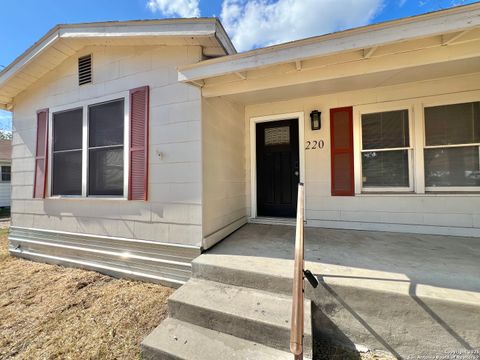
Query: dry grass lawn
[[51, 312]]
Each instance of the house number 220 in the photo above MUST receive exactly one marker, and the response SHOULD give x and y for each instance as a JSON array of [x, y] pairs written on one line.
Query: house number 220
[[312, 145]]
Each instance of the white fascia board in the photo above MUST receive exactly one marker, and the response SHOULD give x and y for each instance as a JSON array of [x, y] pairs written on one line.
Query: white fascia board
[[192, 29], [224, 39], [438, 23]]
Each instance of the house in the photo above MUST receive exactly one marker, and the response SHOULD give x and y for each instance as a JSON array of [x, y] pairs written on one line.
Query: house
[[139, 145], [5, 172]]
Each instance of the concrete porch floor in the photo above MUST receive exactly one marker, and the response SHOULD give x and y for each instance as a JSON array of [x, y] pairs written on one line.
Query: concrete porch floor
[[403, 293], [446, 267]]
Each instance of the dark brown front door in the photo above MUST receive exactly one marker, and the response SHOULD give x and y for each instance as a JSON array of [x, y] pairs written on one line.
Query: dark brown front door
[[277, 168]]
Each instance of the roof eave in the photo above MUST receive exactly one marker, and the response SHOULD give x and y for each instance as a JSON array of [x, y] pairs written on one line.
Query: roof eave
[[165, 27], [460, 18], [223, 38]]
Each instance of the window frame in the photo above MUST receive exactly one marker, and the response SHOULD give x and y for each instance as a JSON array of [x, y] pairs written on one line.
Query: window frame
[[51, 143], [460, 189], [1, 173], [358, 146], [124, 95]]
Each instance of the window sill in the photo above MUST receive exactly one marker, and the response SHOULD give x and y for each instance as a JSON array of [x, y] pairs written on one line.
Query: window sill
[[443, 192], [88, 198], [392, 193], [427, 194]]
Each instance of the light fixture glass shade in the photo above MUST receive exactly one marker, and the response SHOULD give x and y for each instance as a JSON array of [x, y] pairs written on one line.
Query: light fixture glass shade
[[315, 119]]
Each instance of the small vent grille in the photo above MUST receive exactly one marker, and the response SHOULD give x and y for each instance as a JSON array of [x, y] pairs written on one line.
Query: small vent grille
[[85, 70]]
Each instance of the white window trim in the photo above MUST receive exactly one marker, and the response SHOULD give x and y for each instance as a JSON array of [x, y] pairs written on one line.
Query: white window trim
[[441, 100], [358, 147], [125, 96]]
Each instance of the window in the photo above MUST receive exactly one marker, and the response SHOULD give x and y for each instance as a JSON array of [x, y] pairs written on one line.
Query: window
[[94, 167], [67, 152], [452, 146], [385, 151], [277, 135], [105, 148], [6, 173]]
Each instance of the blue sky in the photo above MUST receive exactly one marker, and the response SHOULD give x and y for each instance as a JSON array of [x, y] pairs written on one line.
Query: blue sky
[[250, 23]]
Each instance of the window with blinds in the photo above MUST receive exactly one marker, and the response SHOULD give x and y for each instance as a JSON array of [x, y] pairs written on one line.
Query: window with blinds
[[386, 151], [452, 146]]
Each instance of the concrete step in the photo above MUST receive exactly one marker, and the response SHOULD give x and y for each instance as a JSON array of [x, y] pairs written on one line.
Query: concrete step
[[178, 340], [249, 314], [354, 306], [247, 272]]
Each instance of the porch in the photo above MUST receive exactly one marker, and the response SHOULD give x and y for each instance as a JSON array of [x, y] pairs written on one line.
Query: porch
[[398, 292]]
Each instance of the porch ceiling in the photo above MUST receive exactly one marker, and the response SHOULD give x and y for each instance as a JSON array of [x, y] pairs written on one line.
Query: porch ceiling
[[406, 61], [357, 82]]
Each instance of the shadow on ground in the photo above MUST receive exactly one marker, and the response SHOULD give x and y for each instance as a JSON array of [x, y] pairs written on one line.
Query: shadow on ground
[[324, 330]]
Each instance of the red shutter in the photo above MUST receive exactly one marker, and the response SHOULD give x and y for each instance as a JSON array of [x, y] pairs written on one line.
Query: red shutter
[[138, 177], [341, 139], [41, 158]]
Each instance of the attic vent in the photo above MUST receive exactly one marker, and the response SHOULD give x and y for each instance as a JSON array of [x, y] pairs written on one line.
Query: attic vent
[[85, 70]]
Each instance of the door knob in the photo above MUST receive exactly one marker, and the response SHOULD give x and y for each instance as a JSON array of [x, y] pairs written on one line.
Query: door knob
[[296, 173]]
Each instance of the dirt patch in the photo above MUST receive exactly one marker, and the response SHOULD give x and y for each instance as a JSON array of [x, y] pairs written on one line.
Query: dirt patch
[[328, 351], [50, 312]]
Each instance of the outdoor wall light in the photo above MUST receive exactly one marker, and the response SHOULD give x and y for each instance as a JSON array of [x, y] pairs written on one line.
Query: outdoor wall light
[[316, 119]]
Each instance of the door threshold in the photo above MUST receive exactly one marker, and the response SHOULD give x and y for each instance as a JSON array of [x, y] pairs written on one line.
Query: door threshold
[[273, 221]]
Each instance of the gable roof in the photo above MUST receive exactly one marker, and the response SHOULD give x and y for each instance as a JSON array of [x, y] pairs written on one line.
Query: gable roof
[[449, 25], [65, 40]]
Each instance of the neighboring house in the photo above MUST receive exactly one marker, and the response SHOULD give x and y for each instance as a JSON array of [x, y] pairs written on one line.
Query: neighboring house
[[5, 172], [125, 165]]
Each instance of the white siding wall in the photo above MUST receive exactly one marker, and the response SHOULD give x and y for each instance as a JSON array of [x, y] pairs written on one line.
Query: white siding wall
[[224, 185], [5, 189], [174, 210], [430, 213], [5, 193]]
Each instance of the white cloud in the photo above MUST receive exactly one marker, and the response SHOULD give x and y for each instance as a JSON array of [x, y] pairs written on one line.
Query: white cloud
[[181, 8], [255, 23]]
